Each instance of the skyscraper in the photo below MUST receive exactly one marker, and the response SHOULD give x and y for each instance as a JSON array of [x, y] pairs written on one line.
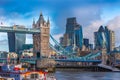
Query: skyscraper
[[73, 34], [91, 46], [61, 41], [86, 42], [16, 40], [78, 36], [104, 38]]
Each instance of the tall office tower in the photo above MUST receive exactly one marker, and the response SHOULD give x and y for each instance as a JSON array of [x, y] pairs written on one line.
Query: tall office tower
[[41, 40], [73, 34], [78, 36], [61, 41], [16, 40], [104, 38], [91, 46], [112, 40], [66, 40], [86, 42]]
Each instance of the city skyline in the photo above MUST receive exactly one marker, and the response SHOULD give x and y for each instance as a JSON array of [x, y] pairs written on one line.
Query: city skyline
[[102, 13]]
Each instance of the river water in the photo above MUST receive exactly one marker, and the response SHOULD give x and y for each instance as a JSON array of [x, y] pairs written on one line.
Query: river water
[[77, 75]]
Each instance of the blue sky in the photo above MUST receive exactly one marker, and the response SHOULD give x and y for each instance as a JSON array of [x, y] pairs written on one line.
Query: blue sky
[[90, 14]]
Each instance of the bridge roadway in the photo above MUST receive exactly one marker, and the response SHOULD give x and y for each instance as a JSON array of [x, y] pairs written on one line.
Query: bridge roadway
[[33, 61], [19, 29]]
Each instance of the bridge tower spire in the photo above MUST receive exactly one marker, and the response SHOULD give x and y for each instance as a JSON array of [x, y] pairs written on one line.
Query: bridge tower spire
[[41, 40], [33, 25], [48, 21]]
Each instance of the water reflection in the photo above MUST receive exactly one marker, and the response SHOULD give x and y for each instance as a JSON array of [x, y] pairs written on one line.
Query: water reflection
[[73, 75]]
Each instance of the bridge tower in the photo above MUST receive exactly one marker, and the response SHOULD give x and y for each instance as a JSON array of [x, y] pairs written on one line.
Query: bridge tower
[[41, 40], [104, 55]]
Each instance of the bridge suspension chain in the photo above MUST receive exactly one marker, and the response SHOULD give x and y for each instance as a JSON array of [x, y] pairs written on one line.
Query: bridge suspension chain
[[62, 51]]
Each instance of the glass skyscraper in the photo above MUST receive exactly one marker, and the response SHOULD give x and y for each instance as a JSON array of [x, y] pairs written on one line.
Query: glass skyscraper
[[73, 35], [104, 38], [79, 37], [16, 41], [86, 42], [70, 26]]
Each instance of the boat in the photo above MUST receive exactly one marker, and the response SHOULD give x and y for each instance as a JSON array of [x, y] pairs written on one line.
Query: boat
[[16, 72], [5, 78]]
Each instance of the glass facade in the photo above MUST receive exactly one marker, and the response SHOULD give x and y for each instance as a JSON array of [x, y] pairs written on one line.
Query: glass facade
[[103, 38], [86, 42], [74, 33], [16, 41], [79, 37], [27, 46], [70, 26], [91, 46]]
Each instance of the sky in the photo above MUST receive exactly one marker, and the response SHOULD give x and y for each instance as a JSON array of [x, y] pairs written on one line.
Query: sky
[[91, 14]]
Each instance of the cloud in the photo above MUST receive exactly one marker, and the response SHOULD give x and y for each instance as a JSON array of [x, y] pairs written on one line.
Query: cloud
[[3, 42], [21, 18], [88, 31], [4, 45], [88, 14], [114, 25], [29, 39], [2, 11], [3, 36], [15, 18], [26, 19], [85, 15], [57, 36]]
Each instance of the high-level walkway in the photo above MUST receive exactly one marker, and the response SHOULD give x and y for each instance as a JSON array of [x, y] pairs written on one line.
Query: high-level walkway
[[19, 29]]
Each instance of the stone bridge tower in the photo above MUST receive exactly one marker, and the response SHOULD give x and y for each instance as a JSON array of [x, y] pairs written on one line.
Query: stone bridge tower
[[41, 40]]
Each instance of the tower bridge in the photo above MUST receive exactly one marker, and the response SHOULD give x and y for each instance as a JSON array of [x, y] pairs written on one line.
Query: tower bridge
[[41, 43]]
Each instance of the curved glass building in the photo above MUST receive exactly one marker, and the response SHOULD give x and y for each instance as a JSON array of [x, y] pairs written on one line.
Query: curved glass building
[[104, 38]]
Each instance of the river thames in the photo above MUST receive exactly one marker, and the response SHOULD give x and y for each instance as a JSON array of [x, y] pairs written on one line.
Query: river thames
[[77, 75]]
